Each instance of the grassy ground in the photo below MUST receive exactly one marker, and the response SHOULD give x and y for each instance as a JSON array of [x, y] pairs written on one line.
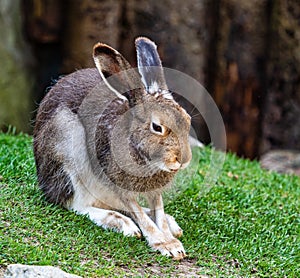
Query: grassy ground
[[245, 225]]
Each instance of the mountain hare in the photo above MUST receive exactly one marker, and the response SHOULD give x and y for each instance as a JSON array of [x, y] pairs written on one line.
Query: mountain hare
[[105, 136]]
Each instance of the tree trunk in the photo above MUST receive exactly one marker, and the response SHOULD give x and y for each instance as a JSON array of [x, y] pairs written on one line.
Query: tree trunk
[[281, 125], [179, 32], [88, 22], [237, 84]]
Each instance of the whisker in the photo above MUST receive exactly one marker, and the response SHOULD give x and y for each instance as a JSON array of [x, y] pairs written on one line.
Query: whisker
[[196, 115], [194, 108]]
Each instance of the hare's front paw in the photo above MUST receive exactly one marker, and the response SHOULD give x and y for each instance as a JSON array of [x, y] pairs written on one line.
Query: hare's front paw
[[173, 226], [130, 229], [171, 248]]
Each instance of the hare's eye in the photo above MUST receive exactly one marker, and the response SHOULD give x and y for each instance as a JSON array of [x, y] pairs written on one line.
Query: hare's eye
[[157, 128]]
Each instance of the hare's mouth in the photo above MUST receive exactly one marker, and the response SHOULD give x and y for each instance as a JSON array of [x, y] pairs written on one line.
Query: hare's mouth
[[171, 167], [174, 166], [174, 170]]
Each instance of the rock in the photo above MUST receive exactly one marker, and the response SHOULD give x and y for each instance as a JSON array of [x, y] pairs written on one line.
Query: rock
[[32, 271], [282, 161]]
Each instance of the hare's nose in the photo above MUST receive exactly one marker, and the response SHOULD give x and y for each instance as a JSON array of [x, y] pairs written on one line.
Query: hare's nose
[[180, 163], [186, 156]]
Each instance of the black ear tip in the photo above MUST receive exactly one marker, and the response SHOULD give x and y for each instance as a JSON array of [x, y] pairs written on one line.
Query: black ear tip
[[143, 42], [101, 48]]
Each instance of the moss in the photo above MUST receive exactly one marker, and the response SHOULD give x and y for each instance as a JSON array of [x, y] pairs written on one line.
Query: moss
[[16, 83]]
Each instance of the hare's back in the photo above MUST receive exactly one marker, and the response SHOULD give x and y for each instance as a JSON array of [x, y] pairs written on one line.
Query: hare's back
[[68, 92]]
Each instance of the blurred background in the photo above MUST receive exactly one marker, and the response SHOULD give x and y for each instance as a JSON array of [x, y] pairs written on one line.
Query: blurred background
[[245, 53]]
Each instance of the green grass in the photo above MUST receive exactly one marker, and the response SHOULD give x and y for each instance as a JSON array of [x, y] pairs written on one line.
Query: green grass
[[244, 225]]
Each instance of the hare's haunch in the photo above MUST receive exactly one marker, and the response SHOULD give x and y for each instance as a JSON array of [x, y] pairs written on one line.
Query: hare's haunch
[[103, 136]]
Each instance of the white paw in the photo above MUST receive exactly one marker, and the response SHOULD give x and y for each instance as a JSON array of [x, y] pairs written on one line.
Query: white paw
[[173, 226], [129, 228], [121, 223], [109, 219], [171, 248]]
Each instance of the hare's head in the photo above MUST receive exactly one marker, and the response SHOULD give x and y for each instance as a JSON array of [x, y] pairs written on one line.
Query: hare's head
[[157, 127]]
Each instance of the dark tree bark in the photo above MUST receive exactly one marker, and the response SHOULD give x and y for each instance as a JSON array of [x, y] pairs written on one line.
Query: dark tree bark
[[237, 84], [88, 22], [43, 25], [281, 125], [178, 28]]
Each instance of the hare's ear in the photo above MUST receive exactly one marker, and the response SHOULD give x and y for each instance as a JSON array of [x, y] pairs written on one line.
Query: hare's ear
[[109, 62], [150, 67]]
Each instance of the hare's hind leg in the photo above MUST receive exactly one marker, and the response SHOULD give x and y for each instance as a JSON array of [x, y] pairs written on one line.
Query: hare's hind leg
[[86, 203], [102, 215], [73, 148], [109, 219]]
